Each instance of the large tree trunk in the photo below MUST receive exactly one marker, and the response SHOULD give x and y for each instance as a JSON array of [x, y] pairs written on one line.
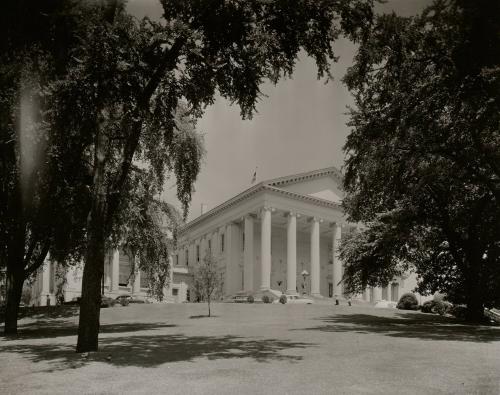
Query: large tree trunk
[[15, 281], [90, 303]]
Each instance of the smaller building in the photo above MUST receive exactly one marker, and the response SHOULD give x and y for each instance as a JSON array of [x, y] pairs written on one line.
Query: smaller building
[[53, 284]]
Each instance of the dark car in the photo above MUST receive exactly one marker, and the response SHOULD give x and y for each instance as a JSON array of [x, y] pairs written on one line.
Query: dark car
[[107, 302], [124, 300]]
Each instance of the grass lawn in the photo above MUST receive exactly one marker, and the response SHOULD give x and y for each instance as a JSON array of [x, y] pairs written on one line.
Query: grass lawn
[[253, 349]]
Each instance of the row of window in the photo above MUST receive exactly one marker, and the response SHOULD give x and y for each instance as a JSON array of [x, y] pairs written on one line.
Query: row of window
[[186, 252]]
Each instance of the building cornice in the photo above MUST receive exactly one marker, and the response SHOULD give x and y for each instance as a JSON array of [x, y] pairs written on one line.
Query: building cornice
[[295, 178], [261, 187]]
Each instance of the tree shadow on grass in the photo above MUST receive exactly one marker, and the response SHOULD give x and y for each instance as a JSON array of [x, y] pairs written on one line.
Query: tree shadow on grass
[[154, 350], [51, 329], [410, 325], [202, 316], [44, 312]]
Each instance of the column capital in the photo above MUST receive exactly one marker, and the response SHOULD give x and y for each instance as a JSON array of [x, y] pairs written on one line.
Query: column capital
[[315, 219], [248, 216], [267, 208], [292, 214]]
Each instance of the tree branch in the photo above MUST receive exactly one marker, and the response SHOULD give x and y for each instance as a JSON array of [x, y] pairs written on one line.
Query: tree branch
[[168, 62]]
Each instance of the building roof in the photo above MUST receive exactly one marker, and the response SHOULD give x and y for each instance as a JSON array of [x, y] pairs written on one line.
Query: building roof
[[274, 185], [310, 175]]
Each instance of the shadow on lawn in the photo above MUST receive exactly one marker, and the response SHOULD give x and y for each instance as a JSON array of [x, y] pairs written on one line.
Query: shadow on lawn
[[44, 312], [51, 329], [411, 325], [154, 350]]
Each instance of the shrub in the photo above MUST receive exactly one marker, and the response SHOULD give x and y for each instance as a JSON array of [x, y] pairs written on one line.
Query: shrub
[[427, 306], [408, 302], [124, 301], [266, 299], [282, 299], [436, 307], [458, 311], [250, 299]]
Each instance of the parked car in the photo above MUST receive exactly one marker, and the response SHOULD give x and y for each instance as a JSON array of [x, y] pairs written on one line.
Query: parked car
[[107, 302], [242, 298], [295, 299], [74, 301], [138, 299], [125, 299]]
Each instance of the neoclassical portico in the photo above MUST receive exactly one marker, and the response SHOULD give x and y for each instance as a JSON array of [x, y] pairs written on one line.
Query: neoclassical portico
[[281, 234]]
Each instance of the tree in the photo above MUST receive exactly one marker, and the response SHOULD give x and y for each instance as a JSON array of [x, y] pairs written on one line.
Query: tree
[[422, 157], [130, 79], [147, 228], [43, 199], [206, 279]]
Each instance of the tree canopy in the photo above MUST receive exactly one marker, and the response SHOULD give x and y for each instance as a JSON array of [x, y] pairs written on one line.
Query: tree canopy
[[43, 196], [130, 79], [422, 167]]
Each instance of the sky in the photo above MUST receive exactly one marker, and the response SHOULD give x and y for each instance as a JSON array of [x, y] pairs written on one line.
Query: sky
[[300, 126]]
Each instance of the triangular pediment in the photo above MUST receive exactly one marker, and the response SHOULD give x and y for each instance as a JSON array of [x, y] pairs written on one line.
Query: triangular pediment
[[324, 184]]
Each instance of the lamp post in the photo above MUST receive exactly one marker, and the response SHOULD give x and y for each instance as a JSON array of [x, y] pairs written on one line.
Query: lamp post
[[304, 274]]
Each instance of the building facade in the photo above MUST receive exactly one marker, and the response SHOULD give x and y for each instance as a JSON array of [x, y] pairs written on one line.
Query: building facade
[[52, 282], [282, 235]]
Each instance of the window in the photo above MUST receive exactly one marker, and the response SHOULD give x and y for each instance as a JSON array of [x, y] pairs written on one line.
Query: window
[[198, 253], [187, 257], [222, 242], [243, 241], [177, 260], [144, 279], [175, 291], [210, 245], [125, 269]]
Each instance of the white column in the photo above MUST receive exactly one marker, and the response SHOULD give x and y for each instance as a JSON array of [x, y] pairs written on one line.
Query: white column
[[115, 270], [191, 251], [248, 258], [377, 294], [107, 272], [45, 283], [337, 264], [203, 246], [388, 288], [291, 254], [136, 287], [315, 269], [265, 255]]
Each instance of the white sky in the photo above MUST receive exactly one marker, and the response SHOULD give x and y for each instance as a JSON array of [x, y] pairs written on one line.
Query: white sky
[[300, 126]]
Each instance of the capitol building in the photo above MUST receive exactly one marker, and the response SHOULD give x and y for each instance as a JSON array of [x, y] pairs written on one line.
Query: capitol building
[[280, 235]]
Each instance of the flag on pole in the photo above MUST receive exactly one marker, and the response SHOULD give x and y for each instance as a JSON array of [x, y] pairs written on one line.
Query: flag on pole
[[254, 178]]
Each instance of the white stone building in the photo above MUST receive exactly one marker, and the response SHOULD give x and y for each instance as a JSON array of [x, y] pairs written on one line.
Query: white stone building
[[117, 281], [280, 234]]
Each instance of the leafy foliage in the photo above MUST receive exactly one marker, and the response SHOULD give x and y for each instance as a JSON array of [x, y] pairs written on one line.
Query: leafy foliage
[[408, 301], [421, 167], [43, 197]]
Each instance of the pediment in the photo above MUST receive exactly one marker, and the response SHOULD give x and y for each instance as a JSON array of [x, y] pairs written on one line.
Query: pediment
[[324, 184]]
